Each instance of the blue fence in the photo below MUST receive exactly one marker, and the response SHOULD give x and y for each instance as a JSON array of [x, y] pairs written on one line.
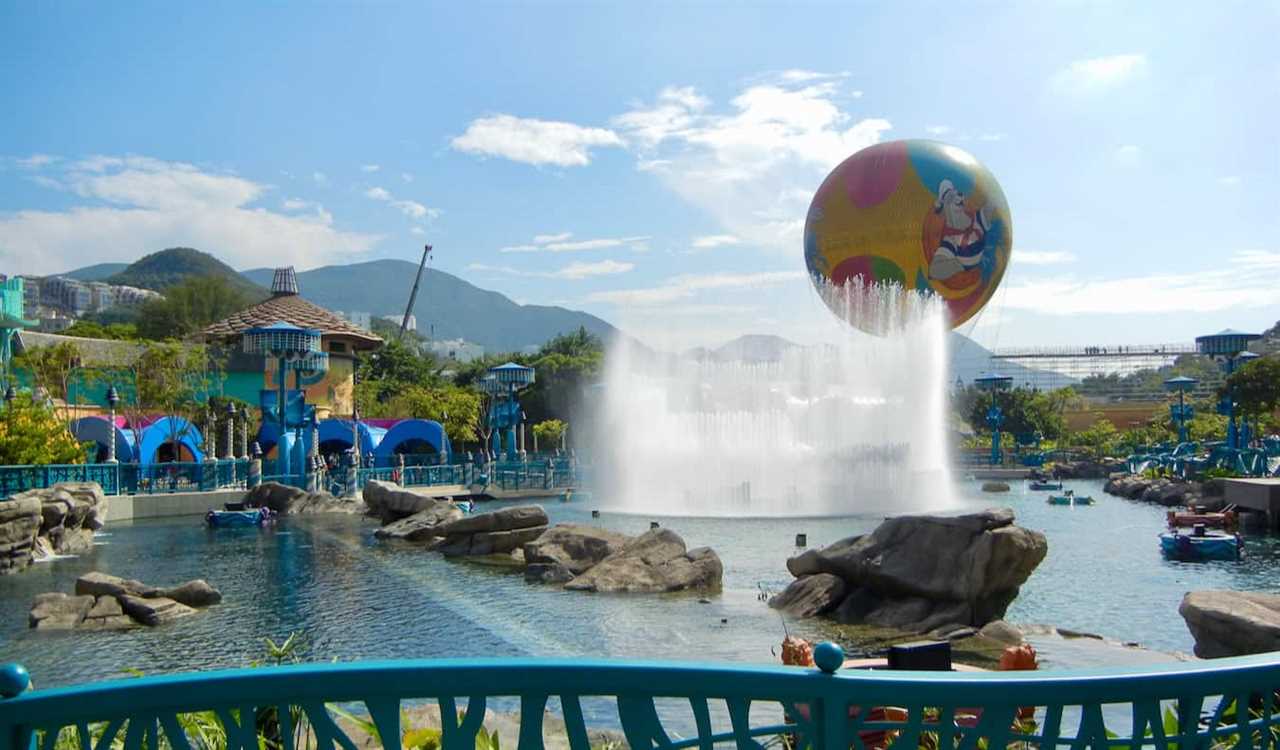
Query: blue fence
[[129, 479], [1227, 703]]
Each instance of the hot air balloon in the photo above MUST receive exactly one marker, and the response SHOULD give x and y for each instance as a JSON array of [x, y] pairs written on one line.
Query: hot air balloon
[[913, 215]]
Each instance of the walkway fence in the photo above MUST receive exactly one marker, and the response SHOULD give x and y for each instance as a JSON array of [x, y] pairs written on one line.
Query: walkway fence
[[1214, 705], [148, 479]]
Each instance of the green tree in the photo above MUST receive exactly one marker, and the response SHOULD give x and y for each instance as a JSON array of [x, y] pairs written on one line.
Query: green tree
[[1102, 438], [1255, 387], [1025, 410], [32, 433], [174, 379], [51, 368], [90, 329], [189, 306], [548, 434]]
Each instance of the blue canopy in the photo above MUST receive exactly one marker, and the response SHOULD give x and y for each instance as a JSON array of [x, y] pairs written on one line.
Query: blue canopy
[[167, 430], [408, 430], [101, 431]]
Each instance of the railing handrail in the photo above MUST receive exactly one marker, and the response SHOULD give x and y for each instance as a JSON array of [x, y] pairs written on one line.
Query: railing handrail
[[429, 678]]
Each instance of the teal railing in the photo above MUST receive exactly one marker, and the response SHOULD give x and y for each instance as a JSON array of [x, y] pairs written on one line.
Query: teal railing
[[129, 479], [1227, 703]]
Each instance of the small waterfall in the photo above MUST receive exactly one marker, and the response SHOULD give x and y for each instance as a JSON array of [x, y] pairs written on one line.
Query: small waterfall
[[855, 425]]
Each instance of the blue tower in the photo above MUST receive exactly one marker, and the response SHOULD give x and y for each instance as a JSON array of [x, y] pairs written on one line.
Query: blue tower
[[1229, 348], [995, 416], [503, 383]]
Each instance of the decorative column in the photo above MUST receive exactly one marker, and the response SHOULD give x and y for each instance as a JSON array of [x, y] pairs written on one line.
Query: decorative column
[[113, 398], [211, 438], [400, 469], [244, 436], [231, 430], [255, 466]]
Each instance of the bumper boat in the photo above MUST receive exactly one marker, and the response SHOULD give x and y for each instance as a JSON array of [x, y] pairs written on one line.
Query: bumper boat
[[1201, 544], [1039, 485], [238, 519], [1070, 498], [1191, 517]]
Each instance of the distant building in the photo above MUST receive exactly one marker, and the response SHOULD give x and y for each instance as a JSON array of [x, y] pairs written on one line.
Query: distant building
[[61, 295], [397, 319], [458, 350]]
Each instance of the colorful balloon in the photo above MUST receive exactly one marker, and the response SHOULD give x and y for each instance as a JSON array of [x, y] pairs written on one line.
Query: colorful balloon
[[920, 214]]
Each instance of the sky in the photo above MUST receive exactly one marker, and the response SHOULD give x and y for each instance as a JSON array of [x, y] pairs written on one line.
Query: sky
[[652, 163]]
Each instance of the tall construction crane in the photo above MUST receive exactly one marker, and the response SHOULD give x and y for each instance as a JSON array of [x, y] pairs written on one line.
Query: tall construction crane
[[413, 296]]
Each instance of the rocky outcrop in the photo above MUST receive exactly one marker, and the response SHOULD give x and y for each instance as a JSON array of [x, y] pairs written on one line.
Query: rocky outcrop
[[812, 595], [1087, 469], [1232, 623], [56, 520], [1166, 492], [286, 500], [390, 502], [995, 486], [920, 573], [495, 533], [421, 526], [568, 550], [105, 602], [653, 562]]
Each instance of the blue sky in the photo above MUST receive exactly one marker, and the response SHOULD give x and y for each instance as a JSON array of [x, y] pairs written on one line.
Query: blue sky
[[651, 163]]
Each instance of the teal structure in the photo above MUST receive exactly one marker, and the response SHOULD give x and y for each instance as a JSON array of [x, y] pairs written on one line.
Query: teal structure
[[668, 705], [503, 384], [1227, 347], [995, 416], [11, 321], [1181, 412], [295, 350]]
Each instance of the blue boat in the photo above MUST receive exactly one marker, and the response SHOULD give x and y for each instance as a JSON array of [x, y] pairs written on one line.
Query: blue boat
[[1038, 485], [1070, 498], [1201, 544], [238, 519]]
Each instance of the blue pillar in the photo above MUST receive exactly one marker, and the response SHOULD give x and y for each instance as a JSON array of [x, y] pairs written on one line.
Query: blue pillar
[[995, 420]]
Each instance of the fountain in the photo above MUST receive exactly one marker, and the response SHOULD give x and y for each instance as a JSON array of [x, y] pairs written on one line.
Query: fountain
[[856, 425]]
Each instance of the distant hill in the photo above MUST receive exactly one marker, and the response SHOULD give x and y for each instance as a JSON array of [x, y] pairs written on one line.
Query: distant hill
[[96, 272], [161, 270], [455, 308]]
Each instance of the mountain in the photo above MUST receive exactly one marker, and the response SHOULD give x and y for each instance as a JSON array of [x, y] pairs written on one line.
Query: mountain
[[447, 307], [96, 272], [161, 270]]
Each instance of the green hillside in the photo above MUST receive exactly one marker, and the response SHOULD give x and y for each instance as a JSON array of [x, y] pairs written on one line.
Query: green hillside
[[455, 308], [96, 272], [163, 269]]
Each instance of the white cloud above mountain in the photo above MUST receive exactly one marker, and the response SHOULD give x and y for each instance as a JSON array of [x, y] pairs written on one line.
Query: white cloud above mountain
[[534, 141]]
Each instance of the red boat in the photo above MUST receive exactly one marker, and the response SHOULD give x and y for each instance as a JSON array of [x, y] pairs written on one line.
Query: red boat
[[1189, 517]]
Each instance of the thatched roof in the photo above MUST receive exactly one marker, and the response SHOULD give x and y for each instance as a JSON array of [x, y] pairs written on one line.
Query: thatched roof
[[286, 306]]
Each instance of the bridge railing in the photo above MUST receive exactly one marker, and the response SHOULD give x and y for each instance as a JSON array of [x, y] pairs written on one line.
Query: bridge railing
[[129, 479], [1228, 703]]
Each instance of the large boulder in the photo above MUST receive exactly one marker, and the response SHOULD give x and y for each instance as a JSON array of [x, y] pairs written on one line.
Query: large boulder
[[922, 572], [489, 542], [156, 610], [1232, 623], [196, 593], [517, 517], [20, 519], [423, 525], [58, 611], [655, 561], [494, 533], [101, 584], [390, 502], [812, 595], [286, 500], [106, 602], [567, 550]]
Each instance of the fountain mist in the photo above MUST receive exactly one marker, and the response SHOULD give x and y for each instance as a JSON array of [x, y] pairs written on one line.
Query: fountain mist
[[856, 425]]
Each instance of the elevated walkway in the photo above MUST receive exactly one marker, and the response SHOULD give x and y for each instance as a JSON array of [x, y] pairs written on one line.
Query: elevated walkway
[[1261, 495]]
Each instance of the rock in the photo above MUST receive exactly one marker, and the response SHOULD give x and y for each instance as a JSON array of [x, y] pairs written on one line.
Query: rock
[[569, 549], [655, 561], [811, 595], [1002, 632], [105, 606], [489, 542], [995, 486], [101, 584], [197, 593], [115, 622], [20, 519], [518, 517], [921, 572], [286, 500], [156, 610], [1088, 469], [952, 632], [390, 502], [1232, 623], [421, 526], [58, 611]]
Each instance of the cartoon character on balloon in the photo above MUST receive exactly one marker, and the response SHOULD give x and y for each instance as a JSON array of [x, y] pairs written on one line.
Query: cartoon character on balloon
[[955, 237]]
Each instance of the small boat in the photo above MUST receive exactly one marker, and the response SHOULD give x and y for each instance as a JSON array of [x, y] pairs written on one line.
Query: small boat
[[466, 506], [1190, 517], [1070, 498], [243, 519], [1201, 544], [1039, 485]]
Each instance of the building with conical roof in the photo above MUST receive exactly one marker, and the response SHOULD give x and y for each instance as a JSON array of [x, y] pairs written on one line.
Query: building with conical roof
[[331, 392]]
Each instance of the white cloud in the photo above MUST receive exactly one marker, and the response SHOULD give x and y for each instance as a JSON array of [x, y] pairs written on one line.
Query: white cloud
[[320, 178], [559, 243], [136, 204], [685, 286], [938, 129], [1229, 181], [572, 272], [1128, 155], [1244, 286], [1043, 257], [715, 240], [370, 168], [411, 209], [36, 161], [406, 177], [752, 168], [296, 204], [534, 141], [1099, 73]]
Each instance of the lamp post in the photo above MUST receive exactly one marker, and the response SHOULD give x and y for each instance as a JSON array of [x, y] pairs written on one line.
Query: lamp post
[[995, 416], [355, 434], [211, 436], [1227, 347], [1180, 412], [231, 430], [113, 398]]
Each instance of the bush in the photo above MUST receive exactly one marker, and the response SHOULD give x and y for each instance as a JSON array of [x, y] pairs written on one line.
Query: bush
[[31, 433]]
